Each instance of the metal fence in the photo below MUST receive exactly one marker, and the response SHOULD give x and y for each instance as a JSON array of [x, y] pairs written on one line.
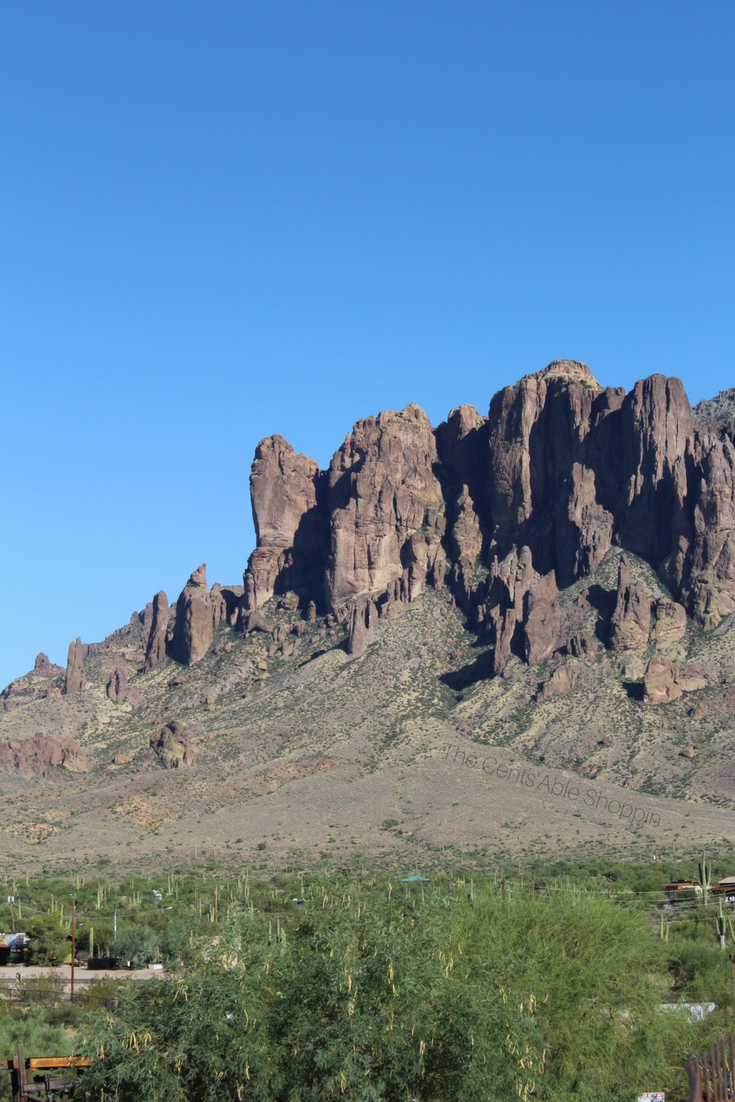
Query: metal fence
[[712, 1075]]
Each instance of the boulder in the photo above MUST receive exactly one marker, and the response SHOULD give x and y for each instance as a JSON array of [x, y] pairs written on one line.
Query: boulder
[[193, 630], [257, 621], [665, 680], [659, 681], [561, 682], [172, 745]]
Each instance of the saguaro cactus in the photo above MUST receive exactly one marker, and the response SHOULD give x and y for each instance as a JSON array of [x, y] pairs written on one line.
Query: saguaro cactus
[[704, 874]]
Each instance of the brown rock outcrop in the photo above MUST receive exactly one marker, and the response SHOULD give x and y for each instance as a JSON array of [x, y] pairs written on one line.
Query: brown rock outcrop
[[172, 745], [43, 667], [289, 523], [34, 757], [386, 510], [39, 682], [561, 682], [631, 621], [193, 631], [75, 678], [257, 621], [521, 611], [117, 686], [156, 647], [669, 623], [543, 621], [665, 680], [362, 623], [218, 604]]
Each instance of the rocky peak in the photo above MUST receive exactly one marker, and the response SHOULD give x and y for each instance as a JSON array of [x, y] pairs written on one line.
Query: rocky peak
[[156, 645], [75, 678], [289, 523], [567, 371], [193, 630]]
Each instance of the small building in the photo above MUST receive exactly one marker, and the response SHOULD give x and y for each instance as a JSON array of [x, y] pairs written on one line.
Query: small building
[[678, 890], [15, 944], [725, 889]]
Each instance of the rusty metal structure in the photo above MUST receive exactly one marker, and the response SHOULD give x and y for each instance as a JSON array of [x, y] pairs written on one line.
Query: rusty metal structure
[[32, 1080], [712, 1075]]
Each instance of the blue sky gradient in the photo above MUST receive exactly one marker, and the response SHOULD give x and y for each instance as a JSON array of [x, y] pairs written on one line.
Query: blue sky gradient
[[221, 221]]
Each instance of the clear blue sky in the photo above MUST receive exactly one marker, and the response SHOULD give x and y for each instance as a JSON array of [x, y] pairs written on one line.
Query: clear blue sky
[[223, 220]]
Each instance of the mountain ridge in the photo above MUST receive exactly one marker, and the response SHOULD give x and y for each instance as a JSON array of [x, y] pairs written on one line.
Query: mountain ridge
[[504, 581]]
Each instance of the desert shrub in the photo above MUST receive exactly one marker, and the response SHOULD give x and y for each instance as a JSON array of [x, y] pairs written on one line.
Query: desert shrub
[[363, 999], [600, 975]]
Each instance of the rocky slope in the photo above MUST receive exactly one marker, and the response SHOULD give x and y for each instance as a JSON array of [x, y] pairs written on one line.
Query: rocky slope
[[552, 585]]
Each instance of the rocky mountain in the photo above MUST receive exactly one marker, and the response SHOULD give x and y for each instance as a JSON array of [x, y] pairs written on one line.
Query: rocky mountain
[[555, 581]]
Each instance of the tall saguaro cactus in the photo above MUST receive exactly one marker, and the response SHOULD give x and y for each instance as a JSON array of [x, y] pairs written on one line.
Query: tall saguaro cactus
[[705, 872]]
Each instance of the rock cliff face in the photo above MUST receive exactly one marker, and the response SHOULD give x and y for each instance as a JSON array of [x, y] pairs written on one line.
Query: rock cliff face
[[289, 523], [386, 510], [509, 509]]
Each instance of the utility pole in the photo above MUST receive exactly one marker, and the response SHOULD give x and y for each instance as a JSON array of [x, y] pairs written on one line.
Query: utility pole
[[73, 942], [114, 924], [11, 901], [503, 888], [655, 857], [216, 898]]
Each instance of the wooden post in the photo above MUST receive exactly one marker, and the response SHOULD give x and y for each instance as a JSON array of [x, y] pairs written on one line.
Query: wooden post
[[216, 898], [73, 942], [20, 1074]]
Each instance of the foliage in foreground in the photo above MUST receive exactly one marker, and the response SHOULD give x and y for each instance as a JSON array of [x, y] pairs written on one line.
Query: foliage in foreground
[[364, 996], [601, 976], [364, 999]]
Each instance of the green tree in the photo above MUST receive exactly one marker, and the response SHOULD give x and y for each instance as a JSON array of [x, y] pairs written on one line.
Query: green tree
[[48, 939]]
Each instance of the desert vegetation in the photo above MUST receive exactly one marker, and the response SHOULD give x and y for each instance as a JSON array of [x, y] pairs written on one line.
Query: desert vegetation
[[550, 982]]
